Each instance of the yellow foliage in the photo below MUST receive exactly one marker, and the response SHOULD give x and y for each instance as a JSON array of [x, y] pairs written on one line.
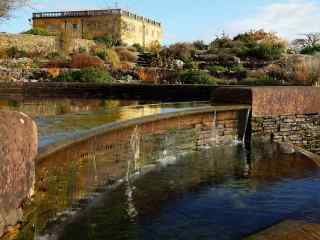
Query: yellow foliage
[[54, 72], [113, 58], [3, 53], [155, 47]]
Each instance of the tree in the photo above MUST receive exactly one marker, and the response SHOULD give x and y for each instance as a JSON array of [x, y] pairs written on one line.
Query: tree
[[200, 45], [7, 6], [308, 40]]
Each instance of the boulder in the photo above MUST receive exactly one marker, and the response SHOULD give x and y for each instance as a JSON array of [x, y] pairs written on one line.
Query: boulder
[[18, 149]]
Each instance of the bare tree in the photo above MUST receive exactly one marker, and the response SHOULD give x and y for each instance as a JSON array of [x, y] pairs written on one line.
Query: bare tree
[[308, 40], [7, 6]]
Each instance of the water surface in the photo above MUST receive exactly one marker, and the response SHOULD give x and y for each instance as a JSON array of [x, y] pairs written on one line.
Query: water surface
[[213, 193]]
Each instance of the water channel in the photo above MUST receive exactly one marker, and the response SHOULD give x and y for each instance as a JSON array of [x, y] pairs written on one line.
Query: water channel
[[163, 186]]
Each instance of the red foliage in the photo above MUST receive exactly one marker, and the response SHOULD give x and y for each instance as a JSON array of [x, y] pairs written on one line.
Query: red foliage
[[56, 63], [84, 60]]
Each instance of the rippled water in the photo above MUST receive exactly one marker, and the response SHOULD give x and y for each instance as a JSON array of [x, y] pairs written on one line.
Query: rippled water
[[215, 193]]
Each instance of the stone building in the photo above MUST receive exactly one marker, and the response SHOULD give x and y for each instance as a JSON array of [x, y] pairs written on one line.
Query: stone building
[[122, 25]]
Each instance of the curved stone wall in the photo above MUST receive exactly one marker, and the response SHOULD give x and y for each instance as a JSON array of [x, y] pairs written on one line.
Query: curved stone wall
[[18, 149]]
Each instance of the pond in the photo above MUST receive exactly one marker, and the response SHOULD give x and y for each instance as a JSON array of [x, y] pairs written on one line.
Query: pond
[[158, 185], [59, 119], [210, 193]]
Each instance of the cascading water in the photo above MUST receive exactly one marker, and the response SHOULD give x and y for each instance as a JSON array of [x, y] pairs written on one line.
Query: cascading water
[[132, 166], [93, 158], [246, 126], [214, 139]]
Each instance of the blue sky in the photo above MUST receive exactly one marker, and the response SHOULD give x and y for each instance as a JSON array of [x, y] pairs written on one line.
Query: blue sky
[[189, 20]]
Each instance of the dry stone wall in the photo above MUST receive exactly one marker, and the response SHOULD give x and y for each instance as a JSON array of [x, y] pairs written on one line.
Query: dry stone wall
[[299, 129], [39, 44], [18, 149]]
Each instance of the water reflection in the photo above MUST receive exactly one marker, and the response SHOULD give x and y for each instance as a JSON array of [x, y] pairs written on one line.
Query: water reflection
[[171, 191], [205, 195], [59, 106], [58, 128]]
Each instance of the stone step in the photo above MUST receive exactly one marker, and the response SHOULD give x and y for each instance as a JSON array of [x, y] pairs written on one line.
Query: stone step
[[289, 230]]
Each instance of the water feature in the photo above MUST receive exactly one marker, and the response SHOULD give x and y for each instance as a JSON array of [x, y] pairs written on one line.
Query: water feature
[[246, 126], [62, 127], [45, 107], [161, 184], [212, 193]]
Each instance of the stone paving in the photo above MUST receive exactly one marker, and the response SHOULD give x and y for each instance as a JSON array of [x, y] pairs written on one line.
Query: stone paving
[[289, 230]]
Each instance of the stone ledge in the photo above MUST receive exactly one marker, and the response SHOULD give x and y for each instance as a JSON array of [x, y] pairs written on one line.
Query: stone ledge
[[18, 149], [271, 101]]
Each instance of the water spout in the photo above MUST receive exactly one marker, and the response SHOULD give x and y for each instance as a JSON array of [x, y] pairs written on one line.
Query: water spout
[[214, 129], [132, 165], [246, 126]]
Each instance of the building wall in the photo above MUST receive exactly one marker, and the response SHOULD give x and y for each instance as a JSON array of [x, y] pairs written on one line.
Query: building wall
[[128, 28], [140, 31], [82, 27]]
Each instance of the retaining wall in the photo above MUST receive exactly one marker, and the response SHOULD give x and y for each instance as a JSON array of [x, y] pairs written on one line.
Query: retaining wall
[[39, 44], [117, 91], [104, 156], [285, 114], [18, 148]]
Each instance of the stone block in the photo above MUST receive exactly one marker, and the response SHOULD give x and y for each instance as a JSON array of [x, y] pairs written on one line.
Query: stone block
[[18, 149]]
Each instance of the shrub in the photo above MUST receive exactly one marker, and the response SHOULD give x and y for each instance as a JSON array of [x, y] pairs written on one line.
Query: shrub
[[57, 63], [38, 31], [101, 53], [303, 68], [254, 44], [112, 58], [154, 47], [132, 49], [107, 40], [125, 55], [82, 50], [221, 42], [311, 49], [257, 36], [238, 68], [200, 45], [138, 47], [267, 51], [3, 53], [86, 75], [191, 65], [181, 51], [14, 52], [96, 75], [218, 69], [197, 77], [52, 55], [84, 60]]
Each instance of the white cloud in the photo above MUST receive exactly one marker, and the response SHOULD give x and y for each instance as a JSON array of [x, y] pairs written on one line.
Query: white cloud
[[287, 19]]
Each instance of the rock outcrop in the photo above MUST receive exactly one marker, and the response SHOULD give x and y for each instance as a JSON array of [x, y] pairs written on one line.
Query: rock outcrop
[[18, 149]]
